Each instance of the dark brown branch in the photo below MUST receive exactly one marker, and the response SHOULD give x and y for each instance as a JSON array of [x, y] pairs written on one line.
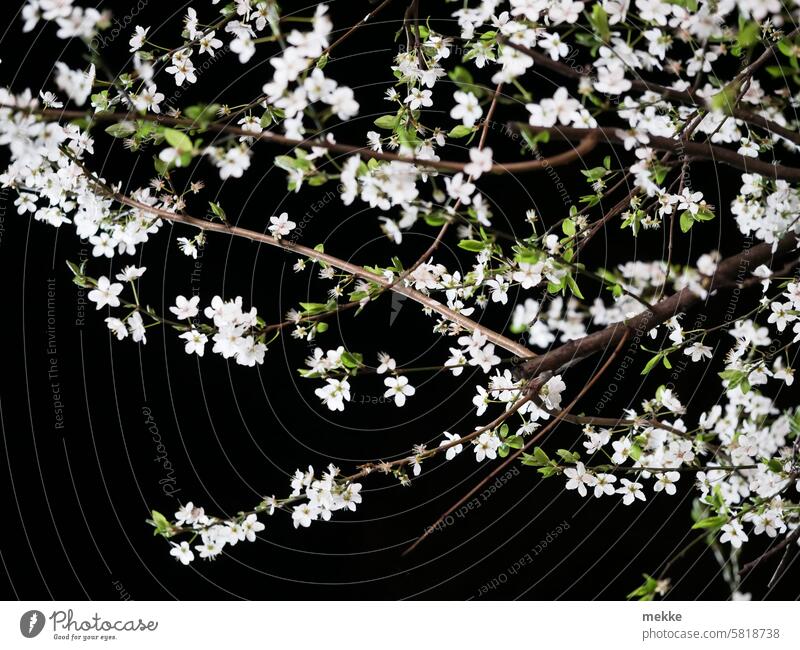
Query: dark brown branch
[[730, 272], [789, 539], [269, 136], [686, 148]]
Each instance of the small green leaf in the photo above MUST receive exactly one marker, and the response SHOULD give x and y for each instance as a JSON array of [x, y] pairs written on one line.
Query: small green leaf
[[386, 122], [162, 526], [460, 131], [686, 221], [651, 364], [515, 442], [472, 245], [711, 522], [178, 139], [568, 456], [775, 465], [121, 130]]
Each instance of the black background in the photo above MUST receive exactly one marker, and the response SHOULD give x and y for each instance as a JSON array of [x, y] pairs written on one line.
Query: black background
[[75, 499]]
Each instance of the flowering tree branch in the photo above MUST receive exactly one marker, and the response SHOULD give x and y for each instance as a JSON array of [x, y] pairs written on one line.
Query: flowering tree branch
[[712, 100]]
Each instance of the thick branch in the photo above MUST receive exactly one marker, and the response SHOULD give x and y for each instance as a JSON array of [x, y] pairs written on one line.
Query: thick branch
[[558, 160], [682, 147], [730, 272]]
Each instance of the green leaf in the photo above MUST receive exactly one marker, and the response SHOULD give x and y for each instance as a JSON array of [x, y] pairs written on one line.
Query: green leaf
[[351, 360], [462, 77], [711, 522], [121, 130], [217, 210], [725, 99], [749, 33], [651, 364], [573, 286], [775, 465], [686, 221], [646, 591], [202, 114], [407, 137], [472, 245], [599, 21], [160, 166], [386, 122], [460, 131], [434, 219], [515, 442], [162, 525], [178, 139], [313, 307], [568, 456], [537, 459]]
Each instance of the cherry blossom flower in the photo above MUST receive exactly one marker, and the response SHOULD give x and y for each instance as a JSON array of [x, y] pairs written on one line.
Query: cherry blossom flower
[[195, 342], [398, 388], [486, 446], [281, 226], [604, 485], [186, 307], [630, 491], [733, 533], [453, 451], [579, 479], [418, 98], [697, 351], [467, 108], [105, 293], [387, 364], [182, 552], [480, 162], [138, 38]]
